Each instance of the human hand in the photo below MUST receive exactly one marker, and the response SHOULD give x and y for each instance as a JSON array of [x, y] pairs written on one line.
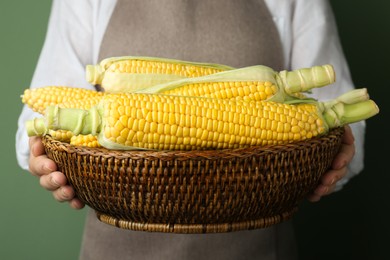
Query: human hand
[[49, 178], [338, 169]]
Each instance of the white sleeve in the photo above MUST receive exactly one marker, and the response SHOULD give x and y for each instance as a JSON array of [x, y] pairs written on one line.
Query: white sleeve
[[66, 51], [316, 42]]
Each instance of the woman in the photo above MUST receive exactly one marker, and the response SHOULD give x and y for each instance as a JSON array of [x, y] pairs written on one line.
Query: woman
[[282, 34]]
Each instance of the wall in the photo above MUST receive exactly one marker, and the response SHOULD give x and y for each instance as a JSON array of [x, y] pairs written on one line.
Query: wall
[[32, 224], [352, 224]]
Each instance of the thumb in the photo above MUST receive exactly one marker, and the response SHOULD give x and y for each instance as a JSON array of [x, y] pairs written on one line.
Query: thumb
[[36, 146]]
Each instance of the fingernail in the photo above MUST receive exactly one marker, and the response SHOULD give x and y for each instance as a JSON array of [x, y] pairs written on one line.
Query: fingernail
[[341, 164], [333, 181], [54, 181], [47, 168], [64, 193]]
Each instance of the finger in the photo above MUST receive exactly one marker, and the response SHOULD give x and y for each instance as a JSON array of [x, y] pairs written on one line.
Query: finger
[[323, 190], [320, 191], [52, 181], [333, 176], [345, 155], [314, 198], [347, 149], [75, 203], [327, 185], [36, 146], [64, 193], [348, 137], [41, 165]]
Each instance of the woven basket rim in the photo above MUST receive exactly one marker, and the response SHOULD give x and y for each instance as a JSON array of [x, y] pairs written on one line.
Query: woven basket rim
[[209, 154], [196, 228]]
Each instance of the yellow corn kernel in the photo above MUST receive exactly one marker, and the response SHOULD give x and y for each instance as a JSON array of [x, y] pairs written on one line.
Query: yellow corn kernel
[[86, 103], [249, 83], [248, 90], [61, 135], [39, 98], [85, 140], [160, 67], [200, 120], [129, 73]]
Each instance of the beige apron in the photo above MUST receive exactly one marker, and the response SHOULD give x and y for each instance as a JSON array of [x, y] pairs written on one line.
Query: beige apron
[[231, 32]]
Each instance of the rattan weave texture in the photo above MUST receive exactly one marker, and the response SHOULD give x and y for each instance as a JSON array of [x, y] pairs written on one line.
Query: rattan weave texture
[[195, 191]]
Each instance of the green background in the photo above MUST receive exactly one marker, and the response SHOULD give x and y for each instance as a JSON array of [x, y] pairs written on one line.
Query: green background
[[351, 224]]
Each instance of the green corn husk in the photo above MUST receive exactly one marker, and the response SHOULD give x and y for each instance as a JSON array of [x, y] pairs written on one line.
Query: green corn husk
[[290, 84], [103, 75]]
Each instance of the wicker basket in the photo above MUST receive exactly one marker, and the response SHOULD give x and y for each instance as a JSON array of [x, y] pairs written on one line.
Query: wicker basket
[[195, 191]]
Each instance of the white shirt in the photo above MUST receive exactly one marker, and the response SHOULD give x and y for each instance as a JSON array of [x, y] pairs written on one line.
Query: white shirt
[[307, 30]]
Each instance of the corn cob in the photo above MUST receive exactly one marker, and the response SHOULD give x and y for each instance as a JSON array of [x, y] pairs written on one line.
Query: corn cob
[[129, 73], [163, 122], [251, 83], [40, 98]]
